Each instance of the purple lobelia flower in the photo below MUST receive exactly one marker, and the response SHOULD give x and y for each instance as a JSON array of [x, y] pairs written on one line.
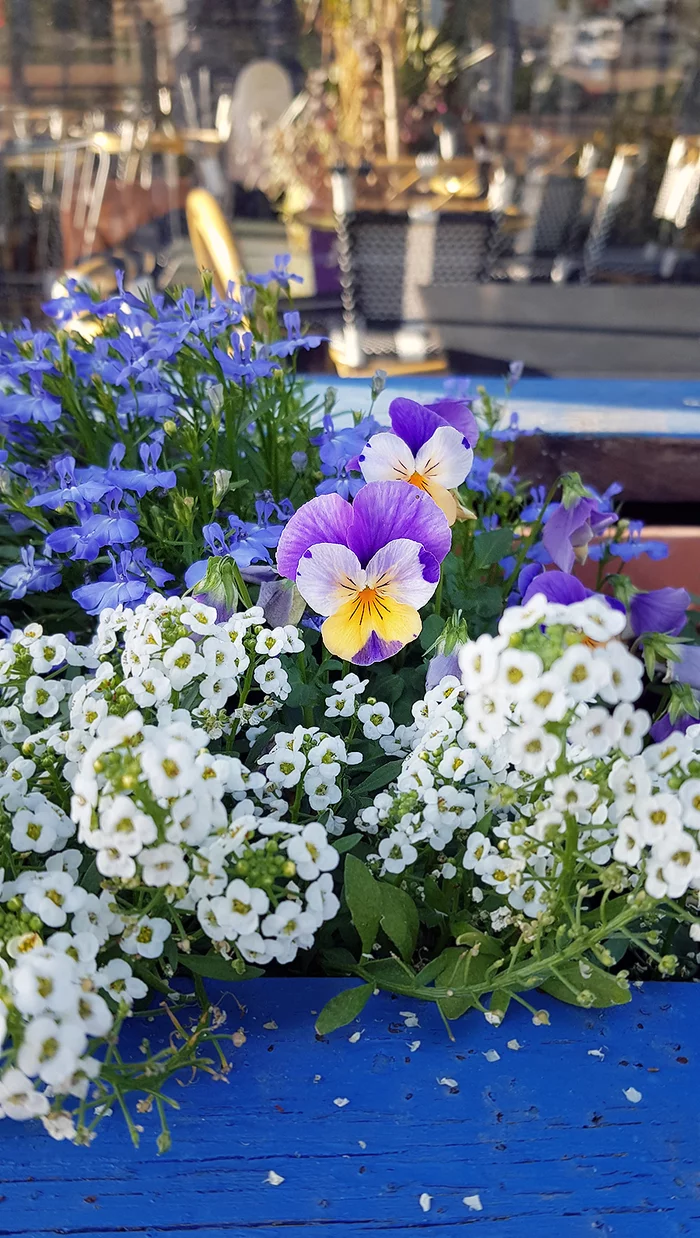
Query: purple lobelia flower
[[570, 528], [663, 727], [423, 449], [687, 668], [558, 587], [366, 566], [660, 610], [564, 589]]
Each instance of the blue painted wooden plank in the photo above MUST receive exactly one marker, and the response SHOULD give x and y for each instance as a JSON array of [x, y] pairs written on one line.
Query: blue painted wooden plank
[[587, 406], [543, 1134]]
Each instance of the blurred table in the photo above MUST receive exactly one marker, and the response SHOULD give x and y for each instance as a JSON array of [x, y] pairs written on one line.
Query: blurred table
[[570, 329]]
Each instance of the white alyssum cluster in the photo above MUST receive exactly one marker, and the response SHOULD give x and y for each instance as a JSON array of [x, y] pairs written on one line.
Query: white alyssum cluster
[[109, 759], [531, 770]]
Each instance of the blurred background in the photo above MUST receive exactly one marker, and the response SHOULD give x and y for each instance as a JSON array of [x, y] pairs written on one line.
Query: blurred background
[[457, 183]]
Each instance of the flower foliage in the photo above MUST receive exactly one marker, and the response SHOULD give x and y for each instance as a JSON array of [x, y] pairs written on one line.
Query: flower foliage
[[500, 796], [134, 450]]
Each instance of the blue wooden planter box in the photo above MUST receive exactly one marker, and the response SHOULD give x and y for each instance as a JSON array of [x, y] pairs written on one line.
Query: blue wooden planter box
[[543, 1134]]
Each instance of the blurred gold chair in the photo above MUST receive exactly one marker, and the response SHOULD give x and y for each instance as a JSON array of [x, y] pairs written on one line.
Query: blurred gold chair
[[212, 240]]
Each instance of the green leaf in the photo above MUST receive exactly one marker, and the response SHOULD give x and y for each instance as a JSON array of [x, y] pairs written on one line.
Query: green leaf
[[338, 960], [389, 689], [490, 547], [346, 843], [581, 976], [435, 897], [343, 1008], [431, 630], [380, 778], [432, 970], [388, 973], [363, 897], [215, 967], [399, 919], [171, 953], [92, 881], [302, 694]]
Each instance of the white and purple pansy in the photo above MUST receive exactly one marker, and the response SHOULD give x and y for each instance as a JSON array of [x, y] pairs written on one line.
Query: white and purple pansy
[[366, 566], [428, 447]]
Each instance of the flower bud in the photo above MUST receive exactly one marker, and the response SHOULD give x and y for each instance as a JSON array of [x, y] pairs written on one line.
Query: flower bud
[[281, 602], [220, 483], [218, 589], [378, 382], [170, 427], [216, 398], [445, 660]]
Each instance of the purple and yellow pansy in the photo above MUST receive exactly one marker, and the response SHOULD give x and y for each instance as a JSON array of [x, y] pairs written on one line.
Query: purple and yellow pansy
[[430, 447], [367, 566]]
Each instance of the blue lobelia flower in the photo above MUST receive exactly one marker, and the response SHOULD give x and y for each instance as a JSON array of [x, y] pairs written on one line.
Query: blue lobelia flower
[[248, 543], [633, 548], [242, 366], [148, 399], [76, 301], [124, 583], [70, 490], [513, 431], [534, 509], [481, 472], [30, 575], [110, 528], [341, 482], [125, 306], [140, 481], [35, 405], [295, 340], [278, 273]]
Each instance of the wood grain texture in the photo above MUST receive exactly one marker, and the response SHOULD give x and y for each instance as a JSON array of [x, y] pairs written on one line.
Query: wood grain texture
[[544, 1135]]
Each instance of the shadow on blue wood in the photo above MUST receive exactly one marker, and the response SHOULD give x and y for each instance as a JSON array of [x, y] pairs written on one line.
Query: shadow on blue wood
[[544, 1135]]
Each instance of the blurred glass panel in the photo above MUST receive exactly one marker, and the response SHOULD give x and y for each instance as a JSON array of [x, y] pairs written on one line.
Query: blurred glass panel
[[570, 128]]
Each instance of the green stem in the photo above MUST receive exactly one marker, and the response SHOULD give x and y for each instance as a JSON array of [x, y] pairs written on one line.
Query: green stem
[[241, 586], [437, 602]]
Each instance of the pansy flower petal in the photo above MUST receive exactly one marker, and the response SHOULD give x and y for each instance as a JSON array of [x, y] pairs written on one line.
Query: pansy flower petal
[[405, 571], [457, 413], [386, 458], [328, 575], [364, 632], [446, 458], [324, 519], [413, 422], [386, 510]]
